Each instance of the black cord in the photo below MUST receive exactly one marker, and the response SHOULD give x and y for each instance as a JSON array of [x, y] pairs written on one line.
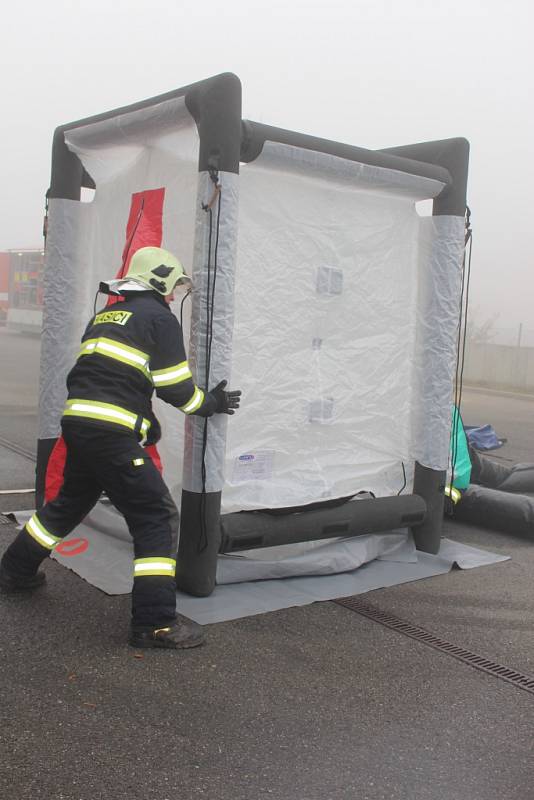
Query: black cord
[[215, 262], [470, 242], [184, 298], [208, 301], [462, 340], [403, 487], [210, 307], [203, 539]]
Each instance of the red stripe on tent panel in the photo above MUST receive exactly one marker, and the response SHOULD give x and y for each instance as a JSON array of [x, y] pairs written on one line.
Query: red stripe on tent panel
[[144, 227], [145, 224]]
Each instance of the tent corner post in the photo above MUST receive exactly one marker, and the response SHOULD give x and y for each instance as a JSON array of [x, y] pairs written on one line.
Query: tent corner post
[[430, 485], [452, 155], [67, 171], [200, 540], [66, 180]]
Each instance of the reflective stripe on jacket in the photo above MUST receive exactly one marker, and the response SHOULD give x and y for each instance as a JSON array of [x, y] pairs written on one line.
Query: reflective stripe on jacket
[[124, 357]]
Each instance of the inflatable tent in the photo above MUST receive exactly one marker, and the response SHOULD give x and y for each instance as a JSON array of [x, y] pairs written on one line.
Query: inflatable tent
[[319, 291]]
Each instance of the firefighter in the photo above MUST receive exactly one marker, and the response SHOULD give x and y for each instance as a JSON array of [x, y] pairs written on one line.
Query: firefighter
[[128, 350]]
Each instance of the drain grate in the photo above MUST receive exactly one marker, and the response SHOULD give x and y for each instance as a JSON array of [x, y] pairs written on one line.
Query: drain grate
[[519, 679], [4, 520]]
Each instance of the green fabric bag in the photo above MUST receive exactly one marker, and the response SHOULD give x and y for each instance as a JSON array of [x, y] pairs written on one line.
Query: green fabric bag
[[459, 453]]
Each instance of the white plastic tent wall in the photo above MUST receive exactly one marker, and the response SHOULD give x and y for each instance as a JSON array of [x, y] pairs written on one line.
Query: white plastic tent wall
[[319, 291]]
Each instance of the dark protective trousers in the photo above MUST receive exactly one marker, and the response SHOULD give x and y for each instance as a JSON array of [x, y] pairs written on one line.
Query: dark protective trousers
[[104, 461]]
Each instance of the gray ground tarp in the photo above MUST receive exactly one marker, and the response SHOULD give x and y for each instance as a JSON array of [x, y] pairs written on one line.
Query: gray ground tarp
[[249, 584]]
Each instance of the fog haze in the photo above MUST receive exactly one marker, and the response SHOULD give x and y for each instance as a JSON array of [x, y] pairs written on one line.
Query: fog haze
[[373, 73]]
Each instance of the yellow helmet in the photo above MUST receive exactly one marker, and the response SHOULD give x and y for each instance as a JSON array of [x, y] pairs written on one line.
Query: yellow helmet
[[157, 269]]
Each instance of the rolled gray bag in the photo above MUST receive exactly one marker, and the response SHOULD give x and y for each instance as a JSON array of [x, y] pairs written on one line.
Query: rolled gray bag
[[486, 471], [520, 480], [489, 473], [501, 511]]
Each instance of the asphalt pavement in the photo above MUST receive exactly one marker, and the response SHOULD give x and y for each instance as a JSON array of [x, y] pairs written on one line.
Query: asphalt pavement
[[308, 703]]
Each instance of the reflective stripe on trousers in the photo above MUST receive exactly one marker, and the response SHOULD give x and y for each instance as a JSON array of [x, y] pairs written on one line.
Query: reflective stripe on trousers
[[154, 566], [41, 535]]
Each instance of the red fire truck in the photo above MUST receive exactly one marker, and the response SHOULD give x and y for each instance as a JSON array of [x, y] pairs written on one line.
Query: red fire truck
[[21, 289]]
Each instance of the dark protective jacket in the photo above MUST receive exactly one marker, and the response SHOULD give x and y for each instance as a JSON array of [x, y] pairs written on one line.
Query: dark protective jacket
[[129, 350]]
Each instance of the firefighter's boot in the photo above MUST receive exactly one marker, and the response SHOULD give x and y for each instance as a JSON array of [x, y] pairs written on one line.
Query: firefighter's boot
[[10, 582], [181, 634]]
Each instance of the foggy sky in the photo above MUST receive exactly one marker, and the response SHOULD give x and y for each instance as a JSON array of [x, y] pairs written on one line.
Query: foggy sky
[[373, 73]]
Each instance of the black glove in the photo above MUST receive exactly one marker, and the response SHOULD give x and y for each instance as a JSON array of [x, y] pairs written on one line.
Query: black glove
[[227, 402]]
